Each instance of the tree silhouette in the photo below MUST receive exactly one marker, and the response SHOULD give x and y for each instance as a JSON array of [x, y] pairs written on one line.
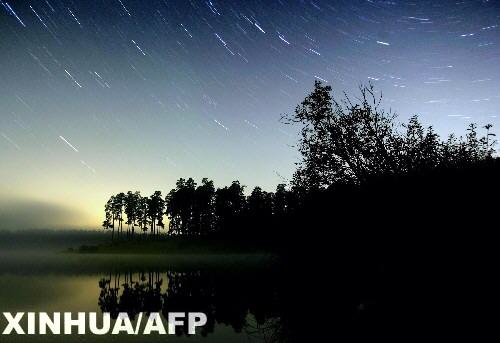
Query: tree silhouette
[[230, 204], [280, 200], [117, 208], [180, 206], [109, 221], [347, 142], [156, 208], [142, 214], [204, 207], [488, 141], [260, 208], [344, 144], [132, 210]]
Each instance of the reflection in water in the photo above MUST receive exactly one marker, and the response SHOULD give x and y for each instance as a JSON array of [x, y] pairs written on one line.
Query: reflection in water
[[270, 302], [246, 303], [123, 293]]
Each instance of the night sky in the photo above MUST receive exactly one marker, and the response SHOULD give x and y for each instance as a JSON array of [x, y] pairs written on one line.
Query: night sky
[[98, 97]]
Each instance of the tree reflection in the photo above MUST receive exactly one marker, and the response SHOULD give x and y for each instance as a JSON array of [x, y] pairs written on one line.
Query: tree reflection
[[240, 300]]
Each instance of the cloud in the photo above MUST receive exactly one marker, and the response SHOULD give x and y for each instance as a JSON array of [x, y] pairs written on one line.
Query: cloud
[[18, 214]]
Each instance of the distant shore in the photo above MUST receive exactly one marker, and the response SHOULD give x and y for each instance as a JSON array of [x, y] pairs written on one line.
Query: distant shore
[[174, 246]]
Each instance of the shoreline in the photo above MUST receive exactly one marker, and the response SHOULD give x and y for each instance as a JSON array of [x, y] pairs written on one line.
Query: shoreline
[[46, 262], [175, 246]]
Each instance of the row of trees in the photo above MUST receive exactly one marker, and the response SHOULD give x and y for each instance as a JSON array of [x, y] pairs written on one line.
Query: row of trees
[[341, 142], [194, 210], [136, 211], [347, 141]]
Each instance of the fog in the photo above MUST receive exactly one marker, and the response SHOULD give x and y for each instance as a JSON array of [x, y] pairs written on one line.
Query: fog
[[23, 214]]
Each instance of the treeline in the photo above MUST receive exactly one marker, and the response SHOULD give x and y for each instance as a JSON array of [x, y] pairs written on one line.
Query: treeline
[[196, 210], [343, 143]]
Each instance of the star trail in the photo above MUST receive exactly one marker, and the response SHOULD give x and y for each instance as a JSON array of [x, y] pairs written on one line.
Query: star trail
[[101, 96]]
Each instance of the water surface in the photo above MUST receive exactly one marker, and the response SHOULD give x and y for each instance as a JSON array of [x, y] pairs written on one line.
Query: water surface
[[238, 293]]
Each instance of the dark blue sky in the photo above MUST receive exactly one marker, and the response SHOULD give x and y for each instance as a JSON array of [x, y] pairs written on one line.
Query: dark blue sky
[[104, 96]]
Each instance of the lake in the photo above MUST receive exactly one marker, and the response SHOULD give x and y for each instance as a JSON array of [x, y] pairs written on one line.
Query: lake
[[240, 294], [247, 297]]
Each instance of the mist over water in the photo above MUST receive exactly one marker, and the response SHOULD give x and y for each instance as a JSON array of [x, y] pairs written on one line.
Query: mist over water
[[48, 241], [37, 275]]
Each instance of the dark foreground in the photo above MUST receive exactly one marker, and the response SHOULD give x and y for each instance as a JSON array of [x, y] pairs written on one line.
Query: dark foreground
[[229, 289], [397, 259]]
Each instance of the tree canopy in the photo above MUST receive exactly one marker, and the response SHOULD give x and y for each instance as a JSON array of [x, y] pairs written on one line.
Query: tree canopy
[[350, 140], [194, 210]]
